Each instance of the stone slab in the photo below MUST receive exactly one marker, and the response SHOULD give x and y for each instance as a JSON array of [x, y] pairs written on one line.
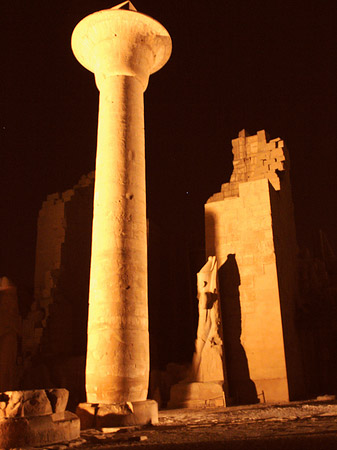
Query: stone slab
[[196, 395], [117, 414], [38, 430]]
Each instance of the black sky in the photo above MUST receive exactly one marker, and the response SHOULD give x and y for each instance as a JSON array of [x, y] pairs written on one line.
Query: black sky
[[235, 64]]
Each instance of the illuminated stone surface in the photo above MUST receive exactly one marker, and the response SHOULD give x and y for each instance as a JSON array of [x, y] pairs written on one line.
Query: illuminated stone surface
[[36, 418], [63, 225], [117, 414], [122, 48], [59, 312], [250, 228], [196, 395]]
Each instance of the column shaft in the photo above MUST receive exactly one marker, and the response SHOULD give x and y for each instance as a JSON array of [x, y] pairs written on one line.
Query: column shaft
[[118, 350]]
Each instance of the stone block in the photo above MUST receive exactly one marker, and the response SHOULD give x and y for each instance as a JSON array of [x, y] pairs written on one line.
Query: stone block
[[216, 197], [27, 418], [38, 431], [247, 281], [35, 403], [87, 414], [12, 401], [32, 403], [58, 399], [53, 197], [117, 414], [189, 395], [254, 148], [261, 136], [66, 196], [274, 390], [248, 266], [268, 258]]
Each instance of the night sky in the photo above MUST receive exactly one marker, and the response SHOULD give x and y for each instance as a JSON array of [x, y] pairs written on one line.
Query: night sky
[[235, 64]]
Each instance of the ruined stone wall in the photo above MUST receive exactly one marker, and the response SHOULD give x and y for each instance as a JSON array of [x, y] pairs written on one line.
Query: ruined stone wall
[[56, 326], [255, 158], [61, 273], [54, 332], [250, 228]]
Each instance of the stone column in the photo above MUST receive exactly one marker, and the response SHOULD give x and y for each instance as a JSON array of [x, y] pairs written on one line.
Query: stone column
[[122, 47]]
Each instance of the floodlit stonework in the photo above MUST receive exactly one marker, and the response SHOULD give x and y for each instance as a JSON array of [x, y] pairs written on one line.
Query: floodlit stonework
[[250, 229], [122, 47], [61, 273], [36, 418]]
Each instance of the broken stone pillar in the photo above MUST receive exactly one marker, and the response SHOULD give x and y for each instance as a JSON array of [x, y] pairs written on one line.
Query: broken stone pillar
[[122, 48]]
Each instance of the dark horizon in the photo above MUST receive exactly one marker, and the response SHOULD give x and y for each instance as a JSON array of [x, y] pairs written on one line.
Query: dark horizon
[[266, 65]]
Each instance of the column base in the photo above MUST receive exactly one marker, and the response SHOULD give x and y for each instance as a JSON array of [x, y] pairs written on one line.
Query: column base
[[196, 395], [93, 415]]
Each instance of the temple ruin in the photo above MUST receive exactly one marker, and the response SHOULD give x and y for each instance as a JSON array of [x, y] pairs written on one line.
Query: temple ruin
[[250, 228], [277, 345], [266, 310], [266, 290]]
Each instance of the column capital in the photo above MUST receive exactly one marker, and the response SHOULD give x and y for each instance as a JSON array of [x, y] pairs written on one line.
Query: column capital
[[121, 42]]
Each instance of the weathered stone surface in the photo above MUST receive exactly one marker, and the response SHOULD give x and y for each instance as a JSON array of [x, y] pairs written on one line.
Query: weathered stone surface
[[250, 228], [118, 414], [31, 403], [255, 158], [61, 272], [2, 409], [119, 409], [35, 403], [38, 431], [87, 413], [13, 401], [196, 395], [132, 413], [58, 399], [117, 369]]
